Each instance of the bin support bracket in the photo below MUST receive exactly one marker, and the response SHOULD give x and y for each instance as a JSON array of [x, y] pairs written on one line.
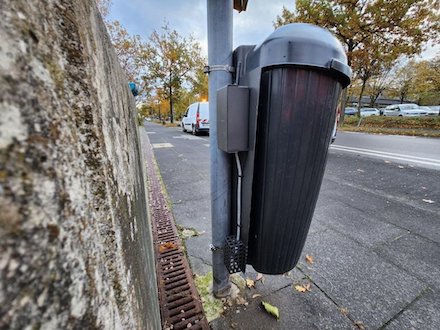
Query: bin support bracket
[[227, 68]]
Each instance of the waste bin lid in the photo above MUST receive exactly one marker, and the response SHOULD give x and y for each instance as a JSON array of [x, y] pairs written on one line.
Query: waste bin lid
[[304, 45]]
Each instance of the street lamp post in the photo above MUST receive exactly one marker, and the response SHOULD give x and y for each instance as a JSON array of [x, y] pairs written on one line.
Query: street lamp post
[[219, 60]]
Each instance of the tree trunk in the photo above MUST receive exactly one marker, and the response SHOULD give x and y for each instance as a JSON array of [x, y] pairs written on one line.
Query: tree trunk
[[374, 98], [343, 104], [345, 90], [171, 105], [364, 82]]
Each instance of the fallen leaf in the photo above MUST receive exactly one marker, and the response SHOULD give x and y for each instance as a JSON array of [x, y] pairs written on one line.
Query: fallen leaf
[[429, 201], [303, 287], [300, 288], [256, 295], [259, 277], [167, 246], [309, 259], [250, 283], [359, 325], [271, 309], [343, 310]]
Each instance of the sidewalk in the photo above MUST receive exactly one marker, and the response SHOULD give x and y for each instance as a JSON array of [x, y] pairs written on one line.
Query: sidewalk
[[372, 266]]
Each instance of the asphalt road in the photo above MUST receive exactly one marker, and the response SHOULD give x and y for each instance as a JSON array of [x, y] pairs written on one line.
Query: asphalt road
[[413, 150], [375, 235]]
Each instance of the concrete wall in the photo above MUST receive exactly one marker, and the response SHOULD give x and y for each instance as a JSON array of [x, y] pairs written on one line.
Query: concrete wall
[[75, 240]]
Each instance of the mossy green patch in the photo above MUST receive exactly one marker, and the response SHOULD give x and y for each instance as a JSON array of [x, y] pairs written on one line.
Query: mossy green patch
[[185, 233], [213, 307], [56, 73]]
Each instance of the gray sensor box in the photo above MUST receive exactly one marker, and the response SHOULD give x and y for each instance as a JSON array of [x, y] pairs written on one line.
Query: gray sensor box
[[232, 118]]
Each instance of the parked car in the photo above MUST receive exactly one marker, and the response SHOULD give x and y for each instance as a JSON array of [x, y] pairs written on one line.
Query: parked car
[[435, 108], [350, 111], [430, 111], [196, 118], [366, 112], [404, 110]]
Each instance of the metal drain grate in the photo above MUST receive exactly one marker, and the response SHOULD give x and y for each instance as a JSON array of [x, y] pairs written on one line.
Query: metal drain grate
[[179, 300]]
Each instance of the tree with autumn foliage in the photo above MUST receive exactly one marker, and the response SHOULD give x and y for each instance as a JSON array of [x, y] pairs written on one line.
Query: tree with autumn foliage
[[127, 47], [172, 63], [373, 63], [402, 81], [167, 67], [419, 81], [374, 32], [379, 83], [199, 81], [426, 82]]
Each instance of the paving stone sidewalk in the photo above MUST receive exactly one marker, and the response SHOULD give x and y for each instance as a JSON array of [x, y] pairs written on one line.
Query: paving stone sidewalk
[[376, 259]]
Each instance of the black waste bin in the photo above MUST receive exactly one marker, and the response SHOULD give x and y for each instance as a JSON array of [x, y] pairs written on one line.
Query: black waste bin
[[303, 70]]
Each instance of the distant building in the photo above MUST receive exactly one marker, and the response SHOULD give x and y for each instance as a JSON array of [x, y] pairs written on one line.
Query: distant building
[[381, 102]]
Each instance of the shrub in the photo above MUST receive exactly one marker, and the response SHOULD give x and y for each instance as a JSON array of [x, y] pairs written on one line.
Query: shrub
[[430, 123]]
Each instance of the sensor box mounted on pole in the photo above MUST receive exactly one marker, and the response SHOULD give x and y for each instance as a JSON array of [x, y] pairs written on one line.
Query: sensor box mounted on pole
[[232, 118]]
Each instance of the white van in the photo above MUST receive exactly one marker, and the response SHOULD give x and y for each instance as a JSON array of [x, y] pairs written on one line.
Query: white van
[[196, 118], [404, 110]]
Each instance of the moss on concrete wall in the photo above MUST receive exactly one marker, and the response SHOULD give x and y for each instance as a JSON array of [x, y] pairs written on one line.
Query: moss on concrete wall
[[75, 240]]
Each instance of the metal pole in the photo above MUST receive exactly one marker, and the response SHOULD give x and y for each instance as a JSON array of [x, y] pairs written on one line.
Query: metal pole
[[219, 54]]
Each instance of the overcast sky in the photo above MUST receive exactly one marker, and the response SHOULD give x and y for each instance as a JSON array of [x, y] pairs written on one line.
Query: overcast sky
[[189, 16]]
